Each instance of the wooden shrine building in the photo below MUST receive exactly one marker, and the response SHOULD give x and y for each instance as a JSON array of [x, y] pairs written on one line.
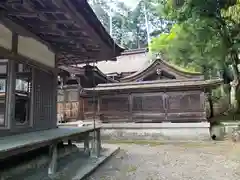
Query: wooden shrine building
[[73, 103], [175, 101], [157, 93], [36, 36]]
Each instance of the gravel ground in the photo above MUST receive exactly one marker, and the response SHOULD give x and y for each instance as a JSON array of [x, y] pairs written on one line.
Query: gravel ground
[[191, 161]]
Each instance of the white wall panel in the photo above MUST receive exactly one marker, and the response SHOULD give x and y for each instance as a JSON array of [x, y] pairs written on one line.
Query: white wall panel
[[5, 37], [35, 50]]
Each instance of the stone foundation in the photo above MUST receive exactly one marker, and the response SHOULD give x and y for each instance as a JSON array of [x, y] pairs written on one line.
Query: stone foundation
[[156, 131], [225, 131]]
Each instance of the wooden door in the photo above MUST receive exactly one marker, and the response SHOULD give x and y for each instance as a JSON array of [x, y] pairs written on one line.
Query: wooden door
[[185, 106], [148, 107]]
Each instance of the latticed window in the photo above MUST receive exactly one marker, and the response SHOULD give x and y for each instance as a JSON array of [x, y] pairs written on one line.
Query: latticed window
[[2, 85]]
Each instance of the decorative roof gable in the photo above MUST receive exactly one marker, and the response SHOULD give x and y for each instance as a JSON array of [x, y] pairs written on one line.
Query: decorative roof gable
[[158, 67]]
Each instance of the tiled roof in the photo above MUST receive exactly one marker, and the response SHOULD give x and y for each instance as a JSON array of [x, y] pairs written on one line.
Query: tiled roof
[[80, 71], [129, 61], [161, 84]]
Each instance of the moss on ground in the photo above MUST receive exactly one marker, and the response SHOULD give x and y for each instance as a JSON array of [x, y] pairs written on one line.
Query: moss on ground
[[131, 168], [231, 117], [138, 142], [159, 143]]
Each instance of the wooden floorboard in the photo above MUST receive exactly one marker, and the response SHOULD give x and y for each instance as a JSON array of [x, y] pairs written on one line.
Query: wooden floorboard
[[21, 140]]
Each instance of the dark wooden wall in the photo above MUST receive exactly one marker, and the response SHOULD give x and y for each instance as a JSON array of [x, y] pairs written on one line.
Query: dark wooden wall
[[177, 106], [90, 107], [115, 108]]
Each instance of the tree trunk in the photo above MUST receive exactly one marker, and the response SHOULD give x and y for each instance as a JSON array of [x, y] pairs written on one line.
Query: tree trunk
[[209, 92], [209, 96], [122, 26], [226, 87], [235, 85]]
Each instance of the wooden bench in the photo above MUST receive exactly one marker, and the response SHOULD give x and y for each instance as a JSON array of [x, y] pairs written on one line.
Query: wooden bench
[[22, 143]]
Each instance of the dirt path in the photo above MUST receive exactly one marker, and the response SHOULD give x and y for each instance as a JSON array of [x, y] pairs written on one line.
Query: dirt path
[[192, 161]]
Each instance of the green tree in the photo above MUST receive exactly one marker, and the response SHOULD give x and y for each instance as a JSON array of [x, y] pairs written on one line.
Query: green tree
[[129, 26], [209, 32]]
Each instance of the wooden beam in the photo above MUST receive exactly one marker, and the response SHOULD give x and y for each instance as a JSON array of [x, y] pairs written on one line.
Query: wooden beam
[[14, 2], [72, 11], [59, 22], [22, 31], [77, 52], [63, 38], [49, 33], [74, 62], [15, 43], [33, 13]]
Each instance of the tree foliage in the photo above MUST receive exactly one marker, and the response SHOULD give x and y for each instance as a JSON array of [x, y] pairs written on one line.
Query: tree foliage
[[205, 35], [129, 26]]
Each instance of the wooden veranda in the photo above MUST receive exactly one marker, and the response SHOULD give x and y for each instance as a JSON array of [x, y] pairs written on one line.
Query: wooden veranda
[[37, 36]]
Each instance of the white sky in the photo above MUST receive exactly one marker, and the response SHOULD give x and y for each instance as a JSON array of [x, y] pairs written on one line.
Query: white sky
[[131, 3]]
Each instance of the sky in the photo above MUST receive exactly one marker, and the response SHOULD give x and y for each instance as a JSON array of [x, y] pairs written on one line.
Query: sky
[[131, 3]]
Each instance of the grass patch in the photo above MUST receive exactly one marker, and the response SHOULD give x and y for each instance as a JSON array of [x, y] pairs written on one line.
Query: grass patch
[[196, 144], [137, 142], [231, 117], [158, 143], [131, 169]]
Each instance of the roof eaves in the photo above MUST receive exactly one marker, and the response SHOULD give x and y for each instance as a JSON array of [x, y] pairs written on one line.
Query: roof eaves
[[156, 84], [42, 28]]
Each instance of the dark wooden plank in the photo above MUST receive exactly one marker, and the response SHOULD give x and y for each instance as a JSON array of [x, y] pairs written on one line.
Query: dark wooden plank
[[182, 106], [11, 145]]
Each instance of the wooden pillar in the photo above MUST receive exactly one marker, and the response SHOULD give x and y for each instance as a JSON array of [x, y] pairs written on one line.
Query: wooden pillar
[[10, 98], [130, 100], [64, 102], [99, 142], [11, 83], [69, 142], [86, 144], [53, 159], [54, 94], [80, 110], [83, 107], [99, 107], [96, 143]]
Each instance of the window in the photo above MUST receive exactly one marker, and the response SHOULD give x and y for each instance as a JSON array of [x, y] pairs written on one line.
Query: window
[[2, 85], [3, 90], [23, 93]]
